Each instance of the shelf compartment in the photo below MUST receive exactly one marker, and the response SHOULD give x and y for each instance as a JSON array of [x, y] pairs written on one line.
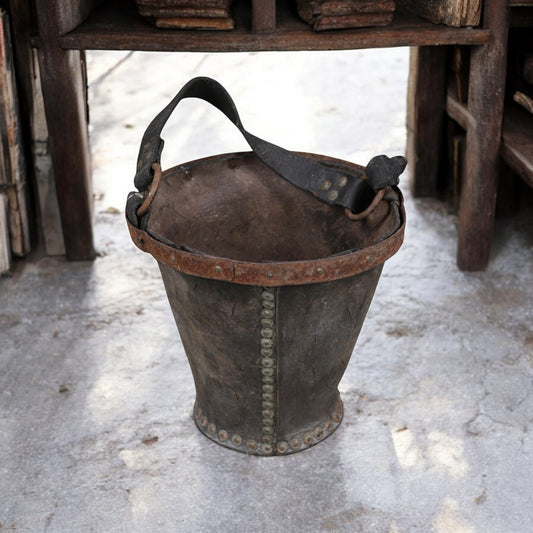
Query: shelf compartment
[[117, 26], [517, 142]]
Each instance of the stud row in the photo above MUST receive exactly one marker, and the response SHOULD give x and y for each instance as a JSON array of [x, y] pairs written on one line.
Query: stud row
[[291, 444], [268, 370]]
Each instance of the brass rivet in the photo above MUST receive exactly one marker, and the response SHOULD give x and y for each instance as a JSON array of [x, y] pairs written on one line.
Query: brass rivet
[[267, 304], [342, 181], [269, 313], [223, 435], [267, 352], [268, 396], [268, 372], [268, 413], [236, 439], [268, 388], [198, 413], [325, 185], [218, 268], [268, 430], [320, 270], [267, 422], [266, 295], [267, 448], [211, 429], [295, 443], [332, 195], [267, 362], [173, 259], [308, 439], [267, 439], [268, 379], [267, 405], [270, 275], [203, 421], [266, 343], [282, 446], [267, 332], [336, 417], [251, 444], [328, 426], [267, 322], [319, 432]]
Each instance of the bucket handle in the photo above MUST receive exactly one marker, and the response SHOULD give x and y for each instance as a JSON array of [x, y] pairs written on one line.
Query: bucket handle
[[327, 183]]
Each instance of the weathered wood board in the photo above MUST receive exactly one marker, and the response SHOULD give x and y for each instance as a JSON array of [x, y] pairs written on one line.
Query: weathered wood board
[[333, 14], [5, 248], [449, 12], [13, 174]]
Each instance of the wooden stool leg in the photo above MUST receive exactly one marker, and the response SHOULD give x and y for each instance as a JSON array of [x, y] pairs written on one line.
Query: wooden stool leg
[[480, 176]]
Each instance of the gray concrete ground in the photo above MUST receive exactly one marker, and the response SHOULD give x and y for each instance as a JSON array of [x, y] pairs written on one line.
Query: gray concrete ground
[[96, 396]]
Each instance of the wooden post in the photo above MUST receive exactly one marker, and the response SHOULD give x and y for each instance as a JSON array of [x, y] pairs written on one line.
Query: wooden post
[[426, 100], [480, 176], [64, 91], [35, 134], [13, 180], [263, 15], [5, 246]]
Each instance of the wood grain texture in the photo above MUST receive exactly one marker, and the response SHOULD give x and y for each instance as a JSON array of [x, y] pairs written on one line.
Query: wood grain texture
[[425, 113], [517, 143], [263, 15], [118, 26], [480, 176], [5, 246], [13, 173], [64, 92], [450, 12], [195, 23]]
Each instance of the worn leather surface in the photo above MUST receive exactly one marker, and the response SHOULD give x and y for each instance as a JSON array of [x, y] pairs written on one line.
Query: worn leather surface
[[314, 330]]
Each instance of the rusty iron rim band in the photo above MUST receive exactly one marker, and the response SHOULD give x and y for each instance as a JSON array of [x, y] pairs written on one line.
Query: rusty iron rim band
[[273, 274]]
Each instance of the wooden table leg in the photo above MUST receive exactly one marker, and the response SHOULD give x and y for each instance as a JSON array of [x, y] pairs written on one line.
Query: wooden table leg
[[480, 176], [426, 100], [65, 102]]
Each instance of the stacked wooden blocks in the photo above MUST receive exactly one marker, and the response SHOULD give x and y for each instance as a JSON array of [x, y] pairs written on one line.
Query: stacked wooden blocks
[[188, 14], [334, 14]]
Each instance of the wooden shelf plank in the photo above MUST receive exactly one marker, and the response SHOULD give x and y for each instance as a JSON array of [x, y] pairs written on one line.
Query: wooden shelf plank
[[117, 26], [517, 142]]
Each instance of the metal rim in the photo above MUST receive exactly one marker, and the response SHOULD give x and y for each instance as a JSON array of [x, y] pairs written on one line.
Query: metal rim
[[272, 274]]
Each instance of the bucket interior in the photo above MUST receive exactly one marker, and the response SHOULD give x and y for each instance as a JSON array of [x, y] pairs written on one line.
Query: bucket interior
[[234, 206]]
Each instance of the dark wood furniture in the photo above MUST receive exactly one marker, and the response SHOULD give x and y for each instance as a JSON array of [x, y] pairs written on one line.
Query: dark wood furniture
[[495, 130], [65, 29]]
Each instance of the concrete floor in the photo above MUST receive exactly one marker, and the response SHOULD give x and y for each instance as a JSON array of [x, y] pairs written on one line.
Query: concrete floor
[[96, 396]]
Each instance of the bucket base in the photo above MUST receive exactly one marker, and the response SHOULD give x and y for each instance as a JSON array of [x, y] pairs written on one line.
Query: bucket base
[[269, 446]]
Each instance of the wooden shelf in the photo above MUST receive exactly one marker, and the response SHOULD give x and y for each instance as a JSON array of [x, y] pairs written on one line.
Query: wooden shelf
[[517, 142], [116, 25], [516, 147]]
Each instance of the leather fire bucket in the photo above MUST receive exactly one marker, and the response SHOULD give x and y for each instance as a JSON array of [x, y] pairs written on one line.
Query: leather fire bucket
[[270, 260]]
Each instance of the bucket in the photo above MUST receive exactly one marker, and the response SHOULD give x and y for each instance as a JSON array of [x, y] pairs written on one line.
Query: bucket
[[270, 260]]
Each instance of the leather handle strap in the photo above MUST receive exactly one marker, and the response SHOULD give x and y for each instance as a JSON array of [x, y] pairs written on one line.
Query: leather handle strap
[[329, 184]]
